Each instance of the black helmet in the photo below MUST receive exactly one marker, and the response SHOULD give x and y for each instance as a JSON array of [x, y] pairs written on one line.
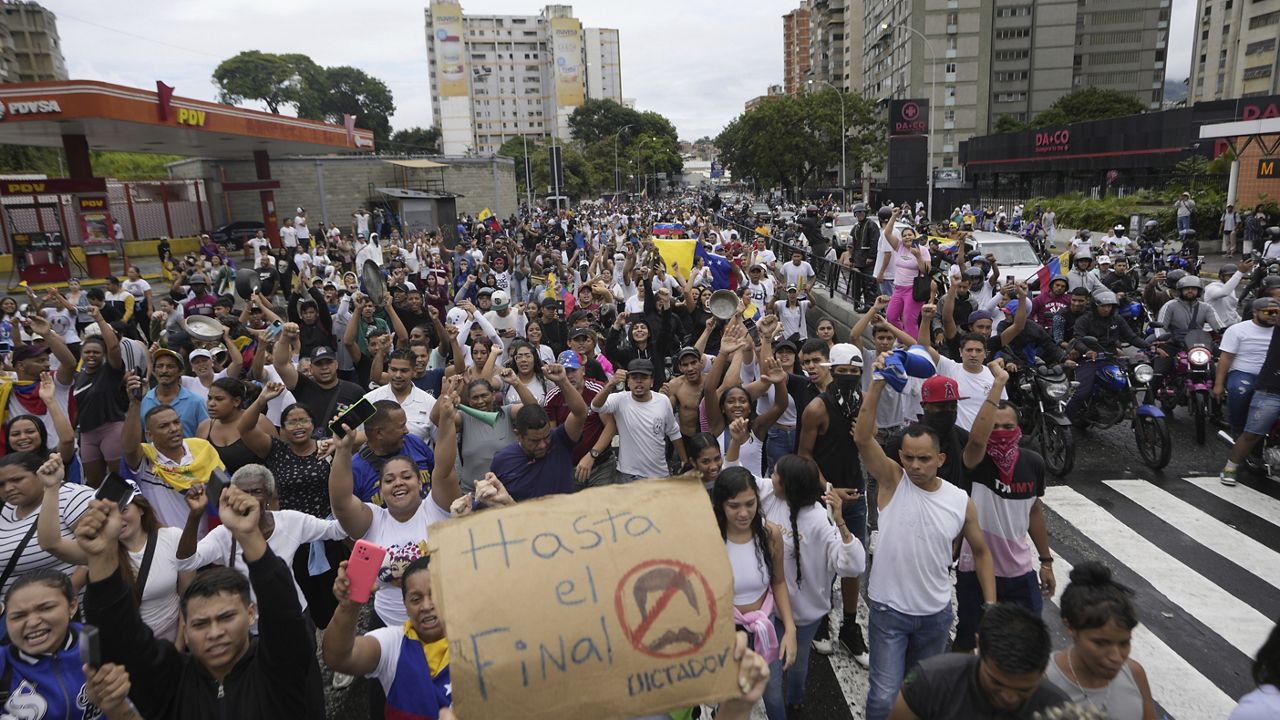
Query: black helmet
[[1189, 281], [1271, 282], [1228, 270], [884, 214], [859, 208], [1150, 225], [1171, 280], [1084, 234]]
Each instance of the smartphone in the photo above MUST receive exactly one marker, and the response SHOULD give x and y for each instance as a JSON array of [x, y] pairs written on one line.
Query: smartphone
[[635, 317], [116, 489], [363, 567], [621, 306], [1008, 280], [353, 417], [218, 480], [90, 647]]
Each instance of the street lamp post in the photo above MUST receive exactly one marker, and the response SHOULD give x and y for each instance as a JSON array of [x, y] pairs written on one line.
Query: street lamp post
[[933, 111], [617, 179], [843, 165]]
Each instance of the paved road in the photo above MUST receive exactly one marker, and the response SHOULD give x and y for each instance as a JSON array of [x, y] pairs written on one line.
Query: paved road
[[1204, 560]]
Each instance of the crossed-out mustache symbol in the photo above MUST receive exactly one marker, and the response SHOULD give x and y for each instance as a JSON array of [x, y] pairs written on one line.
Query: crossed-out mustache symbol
[[661, 580]]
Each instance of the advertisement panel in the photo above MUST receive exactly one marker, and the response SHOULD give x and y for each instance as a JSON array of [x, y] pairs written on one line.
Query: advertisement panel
[[450, 48], [566, 38], [908, 117]]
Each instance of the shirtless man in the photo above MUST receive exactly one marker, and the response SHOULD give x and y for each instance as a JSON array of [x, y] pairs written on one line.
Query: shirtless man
[[686, 391]]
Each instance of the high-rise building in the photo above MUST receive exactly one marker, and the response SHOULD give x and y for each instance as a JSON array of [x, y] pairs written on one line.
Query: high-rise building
[[795, 49], [30, 49], [983, 59], [495, 77], [753, 103], [604, 64], [1234, 51]]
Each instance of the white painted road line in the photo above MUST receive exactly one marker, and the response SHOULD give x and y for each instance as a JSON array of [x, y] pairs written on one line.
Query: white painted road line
[[1242, 496], [1181, 690], [1220, 611], [1219, 537]]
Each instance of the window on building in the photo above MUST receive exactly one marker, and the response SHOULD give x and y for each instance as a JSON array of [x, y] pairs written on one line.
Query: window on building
[[947, 161], [1254, 73], [951, 42], [1204, 34], [949, 67], [953, 18], [1013, 33], [1262, 46], [1226, 30], [1270, 18], [1228, 4], [949, 115]]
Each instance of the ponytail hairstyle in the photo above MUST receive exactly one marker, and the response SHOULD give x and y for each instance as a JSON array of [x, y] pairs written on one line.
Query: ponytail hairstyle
[[731, 483], [801, 488], [1093, 599]]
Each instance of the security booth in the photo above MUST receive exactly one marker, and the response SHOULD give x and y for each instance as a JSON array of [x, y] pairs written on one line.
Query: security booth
[[82, 115]]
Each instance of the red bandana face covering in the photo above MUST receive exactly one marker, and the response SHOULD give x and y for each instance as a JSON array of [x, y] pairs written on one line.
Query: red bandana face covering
[[1002, 448]]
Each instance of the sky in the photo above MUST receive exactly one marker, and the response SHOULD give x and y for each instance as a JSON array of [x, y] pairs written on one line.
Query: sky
[[694, 61]]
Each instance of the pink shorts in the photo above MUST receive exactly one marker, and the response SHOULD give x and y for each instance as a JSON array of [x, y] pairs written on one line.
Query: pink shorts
[[102, 443]]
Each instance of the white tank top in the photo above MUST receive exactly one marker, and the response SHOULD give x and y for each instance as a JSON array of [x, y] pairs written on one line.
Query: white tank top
[[750, 576], [912, 568]]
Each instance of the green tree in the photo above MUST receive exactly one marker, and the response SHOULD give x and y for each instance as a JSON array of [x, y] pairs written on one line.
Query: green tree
[[28, 159], [1007, 124], [596, 120], [131, 165], [581, 177], [416, 140], [350, 91], [1088, 103], [255, 75]]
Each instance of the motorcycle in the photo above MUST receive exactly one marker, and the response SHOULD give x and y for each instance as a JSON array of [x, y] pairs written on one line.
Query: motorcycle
[[1043, 393], [1122, 392], [1190, 382], [1150, 257]]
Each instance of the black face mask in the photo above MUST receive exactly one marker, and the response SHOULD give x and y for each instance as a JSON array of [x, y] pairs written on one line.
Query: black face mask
[[940, 421], [847, 383]]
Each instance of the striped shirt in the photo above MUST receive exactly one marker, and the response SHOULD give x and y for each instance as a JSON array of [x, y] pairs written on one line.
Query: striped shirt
[[73, 501]]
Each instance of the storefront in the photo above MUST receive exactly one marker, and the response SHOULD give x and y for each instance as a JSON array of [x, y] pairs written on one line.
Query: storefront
[[1122, 154]]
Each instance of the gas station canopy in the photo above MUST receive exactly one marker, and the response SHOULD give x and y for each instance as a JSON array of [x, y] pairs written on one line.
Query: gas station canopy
[[113, 117]]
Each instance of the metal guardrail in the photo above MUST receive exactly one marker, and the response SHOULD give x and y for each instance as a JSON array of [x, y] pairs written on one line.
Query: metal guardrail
[[839, 279]]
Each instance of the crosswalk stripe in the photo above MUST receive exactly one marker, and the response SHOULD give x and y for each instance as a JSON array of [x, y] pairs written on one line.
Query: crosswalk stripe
[[1242, 496], [1220, 611], [1178, 687], [1204, 529]]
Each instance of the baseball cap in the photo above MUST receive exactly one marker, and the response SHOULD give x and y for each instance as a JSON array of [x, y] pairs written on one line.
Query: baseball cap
[[198, 353], [374, 331], [550, 303], [1104, 259], [161, 352], [977, 315], [689, 351], [844, 354], [792, 288], [580, 332], [485, 291], [323, 353], [26, 352], [785, 344], [199, 279], [570, 360], [940, 389], [501, 299], [640, 366]]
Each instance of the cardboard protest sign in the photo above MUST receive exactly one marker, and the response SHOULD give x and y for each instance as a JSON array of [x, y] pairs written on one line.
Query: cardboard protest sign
[[612, 602]]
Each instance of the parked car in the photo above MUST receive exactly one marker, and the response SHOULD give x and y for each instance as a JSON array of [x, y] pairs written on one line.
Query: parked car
[[234, 235], [1014, 255], [761, 211]]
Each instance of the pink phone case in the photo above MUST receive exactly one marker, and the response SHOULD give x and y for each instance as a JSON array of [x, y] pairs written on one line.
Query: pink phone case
[[362, 569]]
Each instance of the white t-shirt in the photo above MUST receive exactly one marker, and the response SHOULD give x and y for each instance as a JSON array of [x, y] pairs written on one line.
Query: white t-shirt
[[293, 530], [193, 384], [667, 282], [417, 409], [973, 387], [641, 429], [1249, 342], [300, 227], [882, 247], [761, 292], [280, 402], [405, 542], [73, 500], [288, 236], [260, 246], [362, 223], [911, 573], [792, 318], [159, 607], [799, 275], [64, 323]]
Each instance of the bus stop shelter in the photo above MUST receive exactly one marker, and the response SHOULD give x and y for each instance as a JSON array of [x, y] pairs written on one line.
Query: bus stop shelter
[[84, 115]]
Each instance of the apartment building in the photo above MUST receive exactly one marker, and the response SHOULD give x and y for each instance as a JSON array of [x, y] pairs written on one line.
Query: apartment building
[[30, 49], [795, 49], [494, 77], [1235, 50]]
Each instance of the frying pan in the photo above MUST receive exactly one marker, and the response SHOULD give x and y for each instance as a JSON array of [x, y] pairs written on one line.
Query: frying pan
[[723, 304], [374, 284]]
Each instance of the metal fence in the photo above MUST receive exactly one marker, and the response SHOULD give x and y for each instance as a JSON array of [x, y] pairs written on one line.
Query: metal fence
[[146, 210], [840, 280]]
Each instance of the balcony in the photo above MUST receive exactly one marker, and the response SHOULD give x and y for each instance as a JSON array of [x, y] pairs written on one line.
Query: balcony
[[952, 29]]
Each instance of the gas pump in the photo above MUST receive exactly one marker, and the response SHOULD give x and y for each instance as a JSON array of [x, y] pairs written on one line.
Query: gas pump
[[43, 256]]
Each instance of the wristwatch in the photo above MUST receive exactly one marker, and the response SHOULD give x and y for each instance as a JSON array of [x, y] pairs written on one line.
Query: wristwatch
[[594, 453]]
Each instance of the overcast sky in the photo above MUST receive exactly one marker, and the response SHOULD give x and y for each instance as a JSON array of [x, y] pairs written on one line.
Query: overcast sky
[[694, 61]]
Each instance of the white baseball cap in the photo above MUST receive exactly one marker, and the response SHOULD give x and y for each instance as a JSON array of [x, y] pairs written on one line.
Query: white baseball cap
[[844, 354]]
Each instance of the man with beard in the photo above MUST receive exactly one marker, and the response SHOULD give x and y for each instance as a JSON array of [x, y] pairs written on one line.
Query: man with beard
[[824, 438], [540, 461], [1064, 321], [323, 393], [1005, 484]]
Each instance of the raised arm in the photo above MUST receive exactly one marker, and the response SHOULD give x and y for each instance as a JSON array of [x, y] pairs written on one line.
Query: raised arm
[[282, 355], [926, 338], [886, 472], [131, 433], [1019, 318], [444, 478], [949, 328], [247, 425], [109, 337], [49, 522], [61, 423], [344, 651], [354, 516], [572, 399]]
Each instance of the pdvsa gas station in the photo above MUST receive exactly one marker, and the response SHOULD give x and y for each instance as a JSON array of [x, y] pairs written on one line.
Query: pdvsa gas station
[[82, 115]]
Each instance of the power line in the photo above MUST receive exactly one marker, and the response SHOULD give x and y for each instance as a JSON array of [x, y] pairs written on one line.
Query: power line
[[135, 35]]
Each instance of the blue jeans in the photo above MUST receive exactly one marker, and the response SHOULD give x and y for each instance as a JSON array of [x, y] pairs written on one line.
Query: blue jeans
[[780, 441], [1239, 393], [775, 707], [1023, 590], [897, 642], [1264, 409], [789, 685], [1184, 223], [1085, 373]]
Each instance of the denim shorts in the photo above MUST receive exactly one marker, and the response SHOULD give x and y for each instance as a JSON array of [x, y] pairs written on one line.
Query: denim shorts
[[1264, 409], [855, 516]]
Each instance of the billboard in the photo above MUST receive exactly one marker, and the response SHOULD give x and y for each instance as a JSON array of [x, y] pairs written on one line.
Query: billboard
[[450, 48], [908, 117], [566, 38]]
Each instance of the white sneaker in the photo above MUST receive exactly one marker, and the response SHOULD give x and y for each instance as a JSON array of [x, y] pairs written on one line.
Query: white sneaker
[[342, 680], [823, 646]]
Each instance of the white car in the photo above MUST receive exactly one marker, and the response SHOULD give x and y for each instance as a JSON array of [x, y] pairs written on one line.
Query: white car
[[1014, 255]]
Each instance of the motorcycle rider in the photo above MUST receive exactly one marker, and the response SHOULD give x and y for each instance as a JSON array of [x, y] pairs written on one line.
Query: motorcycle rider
[[1221, 295], [1187, 313], [1161, 288], [1080, 275], [1244, 350], [1104, 325], [1120, 280], [864, 239], [1064, 321], [1190, 247], [1264, 408], [1047, 304]]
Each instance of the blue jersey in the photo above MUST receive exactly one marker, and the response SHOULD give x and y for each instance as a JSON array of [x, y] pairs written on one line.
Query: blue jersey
[[46, 687]]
